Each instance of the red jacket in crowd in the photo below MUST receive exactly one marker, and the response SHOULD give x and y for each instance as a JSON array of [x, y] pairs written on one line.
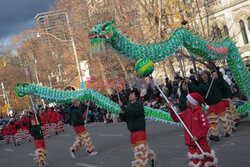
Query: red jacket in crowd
[[43, 119], [33, 118], [53, 117], [25, 123], [12, 128], [5, 130], [197, 123], [46, 116], [18, 125]]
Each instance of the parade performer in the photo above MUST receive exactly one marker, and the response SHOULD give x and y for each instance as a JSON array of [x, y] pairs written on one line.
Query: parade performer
[[196, 121], [5, 134], [44, 127], [53, 120], [83, 137], [40, 151], [227, 95], [60, 124], [13, 131], [216, 109], [25, 126], [19, 130], [133, 114]]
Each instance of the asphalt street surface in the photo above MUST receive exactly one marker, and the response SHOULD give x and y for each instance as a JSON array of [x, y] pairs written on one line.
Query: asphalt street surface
[[112, 141]]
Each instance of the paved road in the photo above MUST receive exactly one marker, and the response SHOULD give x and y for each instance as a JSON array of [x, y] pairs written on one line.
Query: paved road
[[113, 144]]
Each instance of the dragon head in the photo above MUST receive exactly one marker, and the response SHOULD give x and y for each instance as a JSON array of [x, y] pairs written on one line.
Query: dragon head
[[19, 90], [102, 32]]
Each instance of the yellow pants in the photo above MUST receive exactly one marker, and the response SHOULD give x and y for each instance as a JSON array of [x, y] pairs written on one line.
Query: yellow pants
[[223, 118], [40, 155], [83, 138], [235, 115], [213, 124], [142, 154]]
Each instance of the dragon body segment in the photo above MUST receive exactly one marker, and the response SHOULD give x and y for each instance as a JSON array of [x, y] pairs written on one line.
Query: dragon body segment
[[57, 96], [106, 34]]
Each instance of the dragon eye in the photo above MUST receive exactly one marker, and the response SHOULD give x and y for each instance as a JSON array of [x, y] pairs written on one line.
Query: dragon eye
[[103, 28]]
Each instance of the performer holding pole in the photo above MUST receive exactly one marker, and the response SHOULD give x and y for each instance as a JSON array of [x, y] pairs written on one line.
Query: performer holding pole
[[133, 114], [210, 88], [40, 151], [144, 68], [34, 109], [83, 137], [195, 119]]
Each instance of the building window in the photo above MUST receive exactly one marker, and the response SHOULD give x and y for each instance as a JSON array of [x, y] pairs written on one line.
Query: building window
[[243, 32], [216, 32], [226, 30], [248, 20]]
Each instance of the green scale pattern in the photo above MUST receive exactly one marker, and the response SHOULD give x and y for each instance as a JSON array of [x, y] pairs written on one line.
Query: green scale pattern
[[57, 96], [106, 34]]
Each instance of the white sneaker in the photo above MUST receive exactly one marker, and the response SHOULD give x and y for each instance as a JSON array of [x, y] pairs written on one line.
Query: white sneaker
[[72, 153], [93, 153]]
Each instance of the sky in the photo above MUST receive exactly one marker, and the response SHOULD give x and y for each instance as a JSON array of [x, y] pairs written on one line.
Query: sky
[[17, 16]]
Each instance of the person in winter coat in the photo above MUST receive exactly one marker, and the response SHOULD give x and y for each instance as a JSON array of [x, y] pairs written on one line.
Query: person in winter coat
[[133, 115], [228, 123], [40, 151], [197, 123], [53, 119], [25, 126], [44, 124], [83, 137], [5, 134], [216, 110], [182, 97], [60, 123], [13, 131], [19, 130]]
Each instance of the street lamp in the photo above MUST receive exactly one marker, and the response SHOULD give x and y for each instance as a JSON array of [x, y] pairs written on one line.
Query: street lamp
[[5, 95], [74, 49]]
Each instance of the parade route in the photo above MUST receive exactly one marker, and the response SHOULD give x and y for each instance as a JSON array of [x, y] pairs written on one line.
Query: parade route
[[112, 141]]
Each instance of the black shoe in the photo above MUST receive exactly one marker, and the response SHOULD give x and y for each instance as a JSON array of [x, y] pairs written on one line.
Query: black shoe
[[216, 138], [233, 129], [227, 135], [152, 163]]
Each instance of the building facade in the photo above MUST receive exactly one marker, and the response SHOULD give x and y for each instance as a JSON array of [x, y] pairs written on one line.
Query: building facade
[[229, 18], [54, 22]]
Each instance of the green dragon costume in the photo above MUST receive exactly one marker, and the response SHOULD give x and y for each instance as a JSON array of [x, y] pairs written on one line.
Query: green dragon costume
[[57, 96], [102, 34], [106, 33]]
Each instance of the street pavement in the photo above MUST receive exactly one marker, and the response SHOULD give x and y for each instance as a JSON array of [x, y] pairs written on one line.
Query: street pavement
[[112, 141]]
